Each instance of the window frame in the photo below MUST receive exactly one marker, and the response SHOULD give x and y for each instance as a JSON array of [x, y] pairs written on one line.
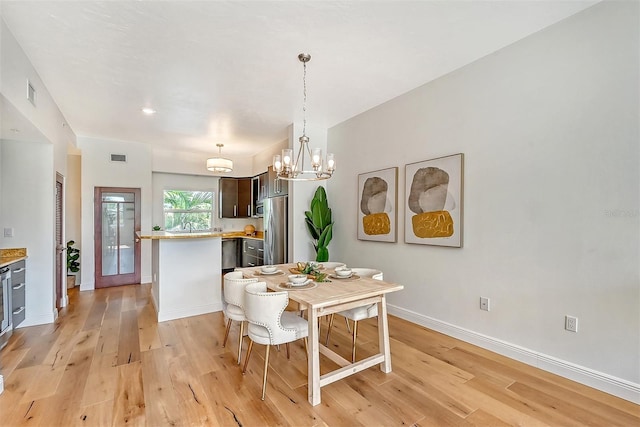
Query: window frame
[[211, 211]]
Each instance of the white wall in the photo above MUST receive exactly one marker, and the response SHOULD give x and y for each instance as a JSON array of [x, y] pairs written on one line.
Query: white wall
[[44, 137], [97, 170], [73, 219], [29, 208], [549, 129]]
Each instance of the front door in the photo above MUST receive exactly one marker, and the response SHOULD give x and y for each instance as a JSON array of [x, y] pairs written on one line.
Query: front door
[[117, 248]]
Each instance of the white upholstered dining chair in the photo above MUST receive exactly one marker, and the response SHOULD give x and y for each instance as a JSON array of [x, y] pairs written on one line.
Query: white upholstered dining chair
[[358, 313], [233, 292], [270, 324]]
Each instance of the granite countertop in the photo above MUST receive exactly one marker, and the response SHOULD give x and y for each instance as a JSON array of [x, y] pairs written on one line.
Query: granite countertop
[[9, 256], [163, 235]]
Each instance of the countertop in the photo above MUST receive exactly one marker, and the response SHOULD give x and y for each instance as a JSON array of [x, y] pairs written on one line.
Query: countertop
[[163, 235], [9, 256]]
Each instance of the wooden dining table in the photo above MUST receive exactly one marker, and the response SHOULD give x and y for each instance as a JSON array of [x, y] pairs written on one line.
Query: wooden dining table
[[331, 297]]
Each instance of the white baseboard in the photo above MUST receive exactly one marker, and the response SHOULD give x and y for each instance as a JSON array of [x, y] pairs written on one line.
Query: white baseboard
[[38, 319], [1, 384], [188, 312], [604, 382], [87, 286], [145, 279]]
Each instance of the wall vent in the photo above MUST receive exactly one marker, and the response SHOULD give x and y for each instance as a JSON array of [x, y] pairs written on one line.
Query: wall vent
[[119, 158], [31, 93]]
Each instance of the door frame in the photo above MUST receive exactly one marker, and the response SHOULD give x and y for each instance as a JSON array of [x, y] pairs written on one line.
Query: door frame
[[116, 280], [61, 297]]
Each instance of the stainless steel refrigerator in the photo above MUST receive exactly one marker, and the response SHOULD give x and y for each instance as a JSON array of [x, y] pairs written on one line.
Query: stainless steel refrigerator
[[275, 230]]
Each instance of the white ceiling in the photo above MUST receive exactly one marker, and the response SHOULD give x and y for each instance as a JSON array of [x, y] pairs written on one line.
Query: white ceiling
[[227, 71]]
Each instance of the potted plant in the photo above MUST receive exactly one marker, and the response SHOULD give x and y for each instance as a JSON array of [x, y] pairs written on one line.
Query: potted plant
[[73, 266], [319, 224]]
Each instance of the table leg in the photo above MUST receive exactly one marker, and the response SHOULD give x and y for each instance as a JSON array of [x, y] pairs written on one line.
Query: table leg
[[313, 375], [383, 335]]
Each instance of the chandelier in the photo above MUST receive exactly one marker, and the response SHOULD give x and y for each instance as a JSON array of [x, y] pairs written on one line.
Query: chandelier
[[219, 164], [284, 165]]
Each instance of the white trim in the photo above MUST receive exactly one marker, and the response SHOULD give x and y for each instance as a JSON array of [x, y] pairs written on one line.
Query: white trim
[[604, 382], [1, 384], [87, 286], [40, 319], [188, 312], [145, 279]]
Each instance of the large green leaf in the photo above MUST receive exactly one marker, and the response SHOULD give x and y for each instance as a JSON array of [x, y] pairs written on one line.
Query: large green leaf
[[312, 229], [323, 255], [326, 235], [317, 215]]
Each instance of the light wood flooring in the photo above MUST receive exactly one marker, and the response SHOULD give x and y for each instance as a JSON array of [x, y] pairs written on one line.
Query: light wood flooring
[[106, 361]]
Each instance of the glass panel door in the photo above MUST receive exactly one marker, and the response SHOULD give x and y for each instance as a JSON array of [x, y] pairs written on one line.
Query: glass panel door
[[118, 260]]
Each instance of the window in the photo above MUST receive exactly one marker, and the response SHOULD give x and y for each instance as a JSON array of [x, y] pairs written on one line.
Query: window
[[188, 210]]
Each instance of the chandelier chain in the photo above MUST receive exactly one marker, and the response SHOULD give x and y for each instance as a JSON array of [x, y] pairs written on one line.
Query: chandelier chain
[[304, 102]]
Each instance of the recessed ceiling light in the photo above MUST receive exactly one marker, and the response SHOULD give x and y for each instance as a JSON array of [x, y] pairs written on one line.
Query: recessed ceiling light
[[148, 111]]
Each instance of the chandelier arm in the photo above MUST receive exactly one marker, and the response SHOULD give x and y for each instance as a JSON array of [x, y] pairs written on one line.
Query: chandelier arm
[[298, 166]]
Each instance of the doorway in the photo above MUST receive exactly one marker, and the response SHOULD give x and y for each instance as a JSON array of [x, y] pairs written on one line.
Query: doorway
[[117, 248], [61, 300]]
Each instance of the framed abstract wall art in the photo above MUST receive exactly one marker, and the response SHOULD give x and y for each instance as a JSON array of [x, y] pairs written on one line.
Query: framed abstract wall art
[[433, 210], [377, 205]]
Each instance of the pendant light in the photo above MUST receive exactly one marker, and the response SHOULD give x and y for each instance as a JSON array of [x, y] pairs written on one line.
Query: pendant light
[[284, 165], [219, 164]]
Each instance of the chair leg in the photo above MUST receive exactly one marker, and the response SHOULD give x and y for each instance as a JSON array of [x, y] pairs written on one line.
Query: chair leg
[[246, 360], [226, 333], [240, 341], [288, 351], [353, 349], [266, 369], [329, 330]]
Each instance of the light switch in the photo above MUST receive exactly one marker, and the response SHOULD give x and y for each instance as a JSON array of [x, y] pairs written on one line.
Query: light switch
[[8, 232]]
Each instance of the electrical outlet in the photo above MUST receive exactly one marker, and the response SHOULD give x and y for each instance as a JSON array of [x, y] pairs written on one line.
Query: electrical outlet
[[8, 232], [571, 323], [484, 303]]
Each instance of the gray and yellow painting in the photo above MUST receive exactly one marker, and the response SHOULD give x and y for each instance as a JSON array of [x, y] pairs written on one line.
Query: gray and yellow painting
[[431, 201], [374, 204]]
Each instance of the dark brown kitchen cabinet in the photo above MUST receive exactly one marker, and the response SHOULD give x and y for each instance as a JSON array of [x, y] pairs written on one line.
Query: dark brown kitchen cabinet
[[277, 187], [259, 192], [235, 198]]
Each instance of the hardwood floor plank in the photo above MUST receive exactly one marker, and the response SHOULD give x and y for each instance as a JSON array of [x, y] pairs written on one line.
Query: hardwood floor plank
[[128, 342], [130, 370], [148, 335], [109, 336], [159, 394], [101, 380], [482, 418], [94, 319], [190, 395], [97, 415], [128, 402]]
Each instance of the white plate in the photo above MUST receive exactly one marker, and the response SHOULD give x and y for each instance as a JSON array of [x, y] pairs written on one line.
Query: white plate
[[269, 274], [335, 276], [306, 282]]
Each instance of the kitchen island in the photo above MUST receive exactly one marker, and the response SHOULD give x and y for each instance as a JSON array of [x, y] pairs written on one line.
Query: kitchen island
[[186, 273]]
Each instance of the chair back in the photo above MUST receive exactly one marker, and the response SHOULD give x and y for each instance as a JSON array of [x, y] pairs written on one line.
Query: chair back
[[368, 272], [263, 311], [234, 286]]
